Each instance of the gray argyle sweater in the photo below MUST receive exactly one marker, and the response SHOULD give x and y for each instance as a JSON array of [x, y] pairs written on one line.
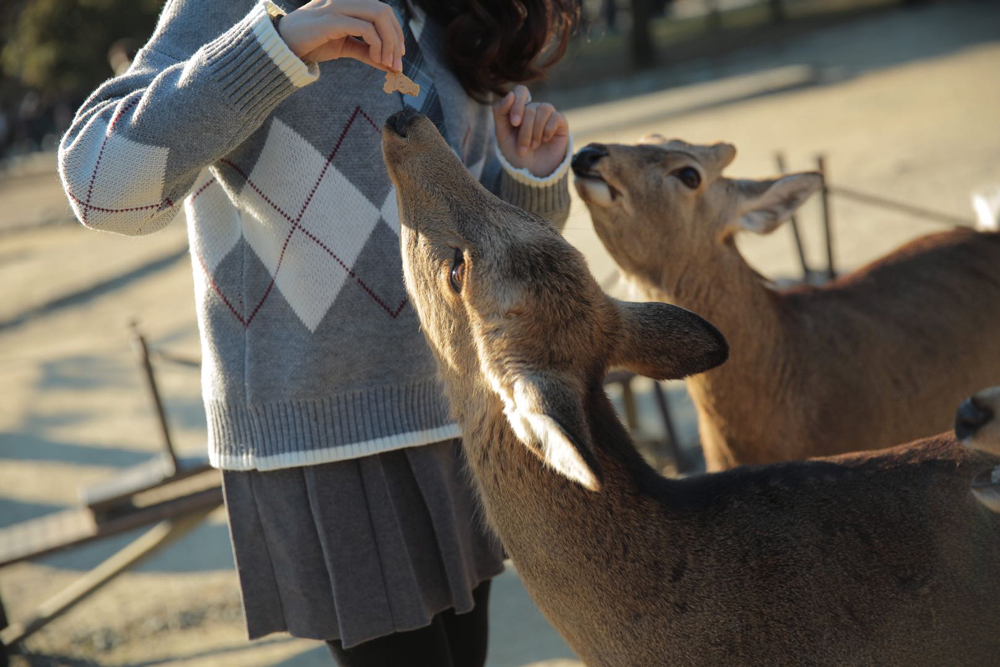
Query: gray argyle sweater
[[311, 352]]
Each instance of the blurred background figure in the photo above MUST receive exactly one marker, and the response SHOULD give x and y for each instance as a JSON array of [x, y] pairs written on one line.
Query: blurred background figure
[[121, 53]]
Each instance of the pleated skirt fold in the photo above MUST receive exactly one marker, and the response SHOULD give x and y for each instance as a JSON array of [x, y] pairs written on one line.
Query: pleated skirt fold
[[359, 549]]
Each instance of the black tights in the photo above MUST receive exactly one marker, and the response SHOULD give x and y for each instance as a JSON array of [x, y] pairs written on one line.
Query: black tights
[[451, 640]]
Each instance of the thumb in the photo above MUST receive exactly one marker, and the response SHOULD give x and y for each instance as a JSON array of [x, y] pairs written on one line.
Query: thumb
[[501, 109]]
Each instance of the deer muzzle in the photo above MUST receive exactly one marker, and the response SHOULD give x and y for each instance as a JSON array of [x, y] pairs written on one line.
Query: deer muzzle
[[401, 121]]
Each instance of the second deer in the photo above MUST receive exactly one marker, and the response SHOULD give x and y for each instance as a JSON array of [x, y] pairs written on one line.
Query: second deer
[[875, 358], [977, 425], [872, 559]]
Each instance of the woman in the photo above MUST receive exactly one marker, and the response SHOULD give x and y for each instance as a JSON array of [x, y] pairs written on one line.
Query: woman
[[350, 514]]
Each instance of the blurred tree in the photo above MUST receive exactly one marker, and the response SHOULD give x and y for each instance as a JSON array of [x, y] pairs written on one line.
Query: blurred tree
[[60, 47], [643, 51]]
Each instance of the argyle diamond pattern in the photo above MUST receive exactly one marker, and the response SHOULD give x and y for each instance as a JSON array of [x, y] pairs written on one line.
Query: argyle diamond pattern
[[305, 221]]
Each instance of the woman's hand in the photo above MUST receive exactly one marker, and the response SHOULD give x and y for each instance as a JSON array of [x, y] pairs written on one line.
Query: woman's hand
[[366, 30], [530, 135]]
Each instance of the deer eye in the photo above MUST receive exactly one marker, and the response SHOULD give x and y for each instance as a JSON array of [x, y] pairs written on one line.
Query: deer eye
[[689, 176], [457, 276]]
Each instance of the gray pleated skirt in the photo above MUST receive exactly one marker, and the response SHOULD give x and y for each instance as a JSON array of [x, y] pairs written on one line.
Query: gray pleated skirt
[[359, 549]]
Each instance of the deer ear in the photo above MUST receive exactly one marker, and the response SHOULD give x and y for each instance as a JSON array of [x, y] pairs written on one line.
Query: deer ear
[[547, 415], [654, 138], [763, 205], [666, 342]]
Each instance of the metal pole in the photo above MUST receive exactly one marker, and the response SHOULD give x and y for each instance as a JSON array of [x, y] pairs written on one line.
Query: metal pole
[[142, 351], [831, 270], [793, 221], [673, 444]]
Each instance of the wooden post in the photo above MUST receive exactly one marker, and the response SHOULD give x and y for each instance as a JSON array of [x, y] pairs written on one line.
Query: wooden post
[[714, 15], [611, 14], [643, 52], [777, 11], [631, 411], [673, 444], [4, 657], [142, 548], [831, 270], [142, 352], [779, 158]]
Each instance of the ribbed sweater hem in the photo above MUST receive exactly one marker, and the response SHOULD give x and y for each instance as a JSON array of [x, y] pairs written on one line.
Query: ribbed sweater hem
[[294, 432], [252, 461]]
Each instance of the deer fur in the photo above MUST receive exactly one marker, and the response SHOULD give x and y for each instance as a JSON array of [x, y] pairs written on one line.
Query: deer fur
[[872, 559], [977, 425], [875, 358]]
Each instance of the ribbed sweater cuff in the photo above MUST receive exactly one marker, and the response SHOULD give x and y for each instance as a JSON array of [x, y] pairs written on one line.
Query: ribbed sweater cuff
[[254, 65], [542, 196]]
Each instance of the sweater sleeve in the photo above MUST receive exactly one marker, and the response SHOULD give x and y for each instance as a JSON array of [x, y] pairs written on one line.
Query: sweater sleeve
[[546, 197], [136, 146]]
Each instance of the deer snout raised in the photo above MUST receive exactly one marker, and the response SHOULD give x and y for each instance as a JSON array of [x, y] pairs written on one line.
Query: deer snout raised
[[585, 159], [970, 417], [401, 121]]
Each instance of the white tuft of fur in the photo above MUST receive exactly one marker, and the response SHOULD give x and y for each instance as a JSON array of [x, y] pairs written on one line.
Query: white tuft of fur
[[594, 191], [986, 204], [542, 434]]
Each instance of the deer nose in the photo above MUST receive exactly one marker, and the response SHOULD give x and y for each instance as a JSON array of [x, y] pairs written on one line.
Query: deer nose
[[587, 157], [401, 121], [970, 417]]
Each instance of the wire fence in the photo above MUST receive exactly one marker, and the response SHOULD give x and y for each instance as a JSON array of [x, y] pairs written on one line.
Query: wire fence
[[829, 190]]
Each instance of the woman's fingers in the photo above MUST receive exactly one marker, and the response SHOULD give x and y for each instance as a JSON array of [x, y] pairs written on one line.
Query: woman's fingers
[[556, 122], [543, 113], [358, 50], [352, 27], [399, 34], [386, 25], [524, 136], [502, 107], [384, 21], [521, 98], [321, 28]]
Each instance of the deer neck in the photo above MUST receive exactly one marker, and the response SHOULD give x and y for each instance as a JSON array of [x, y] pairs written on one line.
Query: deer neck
[[579, 551], [729, 293], [549, 524]]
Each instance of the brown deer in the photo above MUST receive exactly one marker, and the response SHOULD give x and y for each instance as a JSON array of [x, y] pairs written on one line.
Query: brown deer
[[977, 425], [871, 559], [875, 358]]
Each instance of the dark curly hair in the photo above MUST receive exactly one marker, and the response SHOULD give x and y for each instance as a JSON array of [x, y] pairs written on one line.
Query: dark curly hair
[[492, 44]]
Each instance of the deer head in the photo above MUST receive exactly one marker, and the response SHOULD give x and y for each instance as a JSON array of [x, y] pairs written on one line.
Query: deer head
[[511, 311], [977, 425], [660, 200], [977, 422]]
